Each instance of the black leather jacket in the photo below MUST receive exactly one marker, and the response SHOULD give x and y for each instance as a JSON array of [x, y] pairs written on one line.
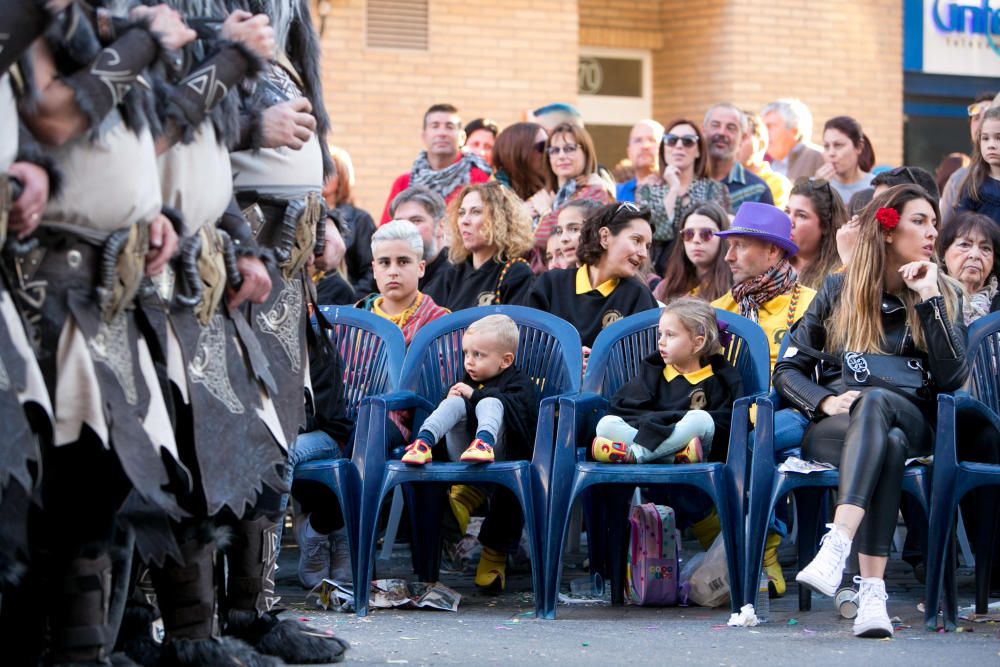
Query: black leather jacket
[[795, 374]]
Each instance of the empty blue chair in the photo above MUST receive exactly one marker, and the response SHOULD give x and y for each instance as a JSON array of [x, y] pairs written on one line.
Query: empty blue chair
[[953, 479], [371, 350], [549, 351], [617, 354]]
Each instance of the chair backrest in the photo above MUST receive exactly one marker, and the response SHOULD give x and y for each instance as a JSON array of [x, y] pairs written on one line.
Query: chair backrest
[[549, 350], [371, 350], [984, 360], [620, 349]]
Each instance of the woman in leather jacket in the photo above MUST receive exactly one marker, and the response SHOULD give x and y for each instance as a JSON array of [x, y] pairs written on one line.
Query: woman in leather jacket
[[891, 300]]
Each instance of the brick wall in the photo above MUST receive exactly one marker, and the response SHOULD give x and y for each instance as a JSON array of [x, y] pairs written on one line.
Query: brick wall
[[840, 58], [500, 58], [493, 59]]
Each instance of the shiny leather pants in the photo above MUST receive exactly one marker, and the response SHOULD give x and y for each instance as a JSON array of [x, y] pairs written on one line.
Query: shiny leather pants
[[870, 445]]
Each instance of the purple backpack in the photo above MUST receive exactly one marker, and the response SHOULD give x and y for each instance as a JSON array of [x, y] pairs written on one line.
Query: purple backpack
[[653, 556]]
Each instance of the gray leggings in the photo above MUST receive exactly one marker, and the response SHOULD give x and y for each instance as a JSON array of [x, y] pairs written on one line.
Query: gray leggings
[[448, 421]]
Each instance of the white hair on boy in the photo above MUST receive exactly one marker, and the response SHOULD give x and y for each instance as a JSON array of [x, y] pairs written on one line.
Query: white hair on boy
[[502, 328], [399, 230]]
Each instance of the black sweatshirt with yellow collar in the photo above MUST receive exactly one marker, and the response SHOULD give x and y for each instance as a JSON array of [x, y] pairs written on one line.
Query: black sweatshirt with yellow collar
[[567, 293], [658, 397]]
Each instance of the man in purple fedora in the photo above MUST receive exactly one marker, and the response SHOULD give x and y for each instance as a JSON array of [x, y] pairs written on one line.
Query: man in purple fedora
[[766, 289]]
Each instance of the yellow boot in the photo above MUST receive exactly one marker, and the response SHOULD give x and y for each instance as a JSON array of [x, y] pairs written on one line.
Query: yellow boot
[[707, 529], [775, 578], [464, 500], [491, 573]]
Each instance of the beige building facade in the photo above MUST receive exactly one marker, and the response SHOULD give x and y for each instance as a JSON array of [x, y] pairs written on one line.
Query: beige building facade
[[385, 61]]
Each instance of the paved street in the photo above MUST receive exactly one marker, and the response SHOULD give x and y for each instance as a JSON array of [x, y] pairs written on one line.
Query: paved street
[[502, 630]]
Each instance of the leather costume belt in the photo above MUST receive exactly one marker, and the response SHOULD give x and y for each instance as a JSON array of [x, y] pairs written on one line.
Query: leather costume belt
[[290, 227], [116, 269]]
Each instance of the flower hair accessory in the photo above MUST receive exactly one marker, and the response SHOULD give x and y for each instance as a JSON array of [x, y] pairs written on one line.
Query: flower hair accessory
[[888, 218]]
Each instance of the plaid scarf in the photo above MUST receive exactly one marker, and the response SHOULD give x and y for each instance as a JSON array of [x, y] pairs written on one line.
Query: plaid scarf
[[447, 180], [753, 293], [978, 304]]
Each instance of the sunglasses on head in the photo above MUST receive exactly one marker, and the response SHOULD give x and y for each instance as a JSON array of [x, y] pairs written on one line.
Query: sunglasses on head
[[627, 206], [688, 140], [704, 233], [979, 107]]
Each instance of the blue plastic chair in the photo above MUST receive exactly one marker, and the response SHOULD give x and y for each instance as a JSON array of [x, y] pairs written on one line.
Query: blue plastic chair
[[768, 486], [549, 350], [616, 358], [371, 349], [953, 479]]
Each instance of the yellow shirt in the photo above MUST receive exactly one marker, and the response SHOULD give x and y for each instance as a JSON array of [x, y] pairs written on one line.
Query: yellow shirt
[[781, 187], [773, 315]]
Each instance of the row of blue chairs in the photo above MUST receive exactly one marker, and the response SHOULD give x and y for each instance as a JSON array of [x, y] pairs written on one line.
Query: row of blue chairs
[[382, 376]]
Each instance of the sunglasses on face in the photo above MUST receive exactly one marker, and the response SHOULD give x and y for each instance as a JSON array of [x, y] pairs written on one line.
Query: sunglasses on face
[[568, 149], [539, 146], [688, 140], [704, 233]]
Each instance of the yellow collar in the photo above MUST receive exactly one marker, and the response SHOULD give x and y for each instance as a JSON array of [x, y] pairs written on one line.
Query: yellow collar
[[700, 375], [401, 319], [583, 283]]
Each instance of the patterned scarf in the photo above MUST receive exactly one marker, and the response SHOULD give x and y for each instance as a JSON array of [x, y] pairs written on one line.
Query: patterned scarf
[[977, 304], [753, 293], [447, 180], [565, 193]]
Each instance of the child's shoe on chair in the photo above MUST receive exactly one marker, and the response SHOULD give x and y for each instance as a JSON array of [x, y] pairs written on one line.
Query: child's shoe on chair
[[605, 450], [479, 451], [692, 453], [417, 453], [491, 573]]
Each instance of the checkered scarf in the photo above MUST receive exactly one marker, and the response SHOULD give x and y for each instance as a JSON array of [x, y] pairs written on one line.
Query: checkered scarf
[[447, 180]]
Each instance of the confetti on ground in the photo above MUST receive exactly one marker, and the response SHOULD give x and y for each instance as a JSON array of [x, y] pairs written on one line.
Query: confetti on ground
[[502, 627], [808, 631], [585, 644], [793, 621]]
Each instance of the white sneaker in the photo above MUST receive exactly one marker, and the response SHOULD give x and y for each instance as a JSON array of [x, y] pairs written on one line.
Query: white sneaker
[[314, 557], [340, 557], [872, 619], [826, 570]]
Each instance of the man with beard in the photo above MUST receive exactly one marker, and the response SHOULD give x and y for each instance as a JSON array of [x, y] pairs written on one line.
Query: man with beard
[[97, 239], [643, 152], [724, 127], [279, 168]]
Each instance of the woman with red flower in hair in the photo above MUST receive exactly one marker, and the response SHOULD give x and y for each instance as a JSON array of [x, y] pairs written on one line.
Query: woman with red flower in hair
[[886, 336]]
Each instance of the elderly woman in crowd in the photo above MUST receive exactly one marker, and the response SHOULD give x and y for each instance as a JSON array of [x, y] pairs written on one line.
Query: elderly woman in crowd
[[969, 245], [490, 235], [817, 214], [683, 185], [697, 266]]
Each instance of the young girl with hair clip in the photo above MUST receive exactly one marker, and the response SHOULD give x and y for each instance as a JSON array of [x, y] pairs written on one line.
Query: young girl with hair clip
[[678, 408], [895, 322], [981, 188]]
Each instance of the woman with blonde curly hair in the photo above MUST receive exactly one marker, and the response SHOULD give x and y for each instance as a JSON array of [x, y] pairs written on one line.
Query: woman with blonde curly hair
[[490, 234]]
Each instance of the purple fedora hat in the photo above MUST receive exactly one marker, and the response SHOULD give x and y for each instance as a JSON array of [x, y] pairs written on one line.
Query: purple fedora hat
[[765, 222]]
